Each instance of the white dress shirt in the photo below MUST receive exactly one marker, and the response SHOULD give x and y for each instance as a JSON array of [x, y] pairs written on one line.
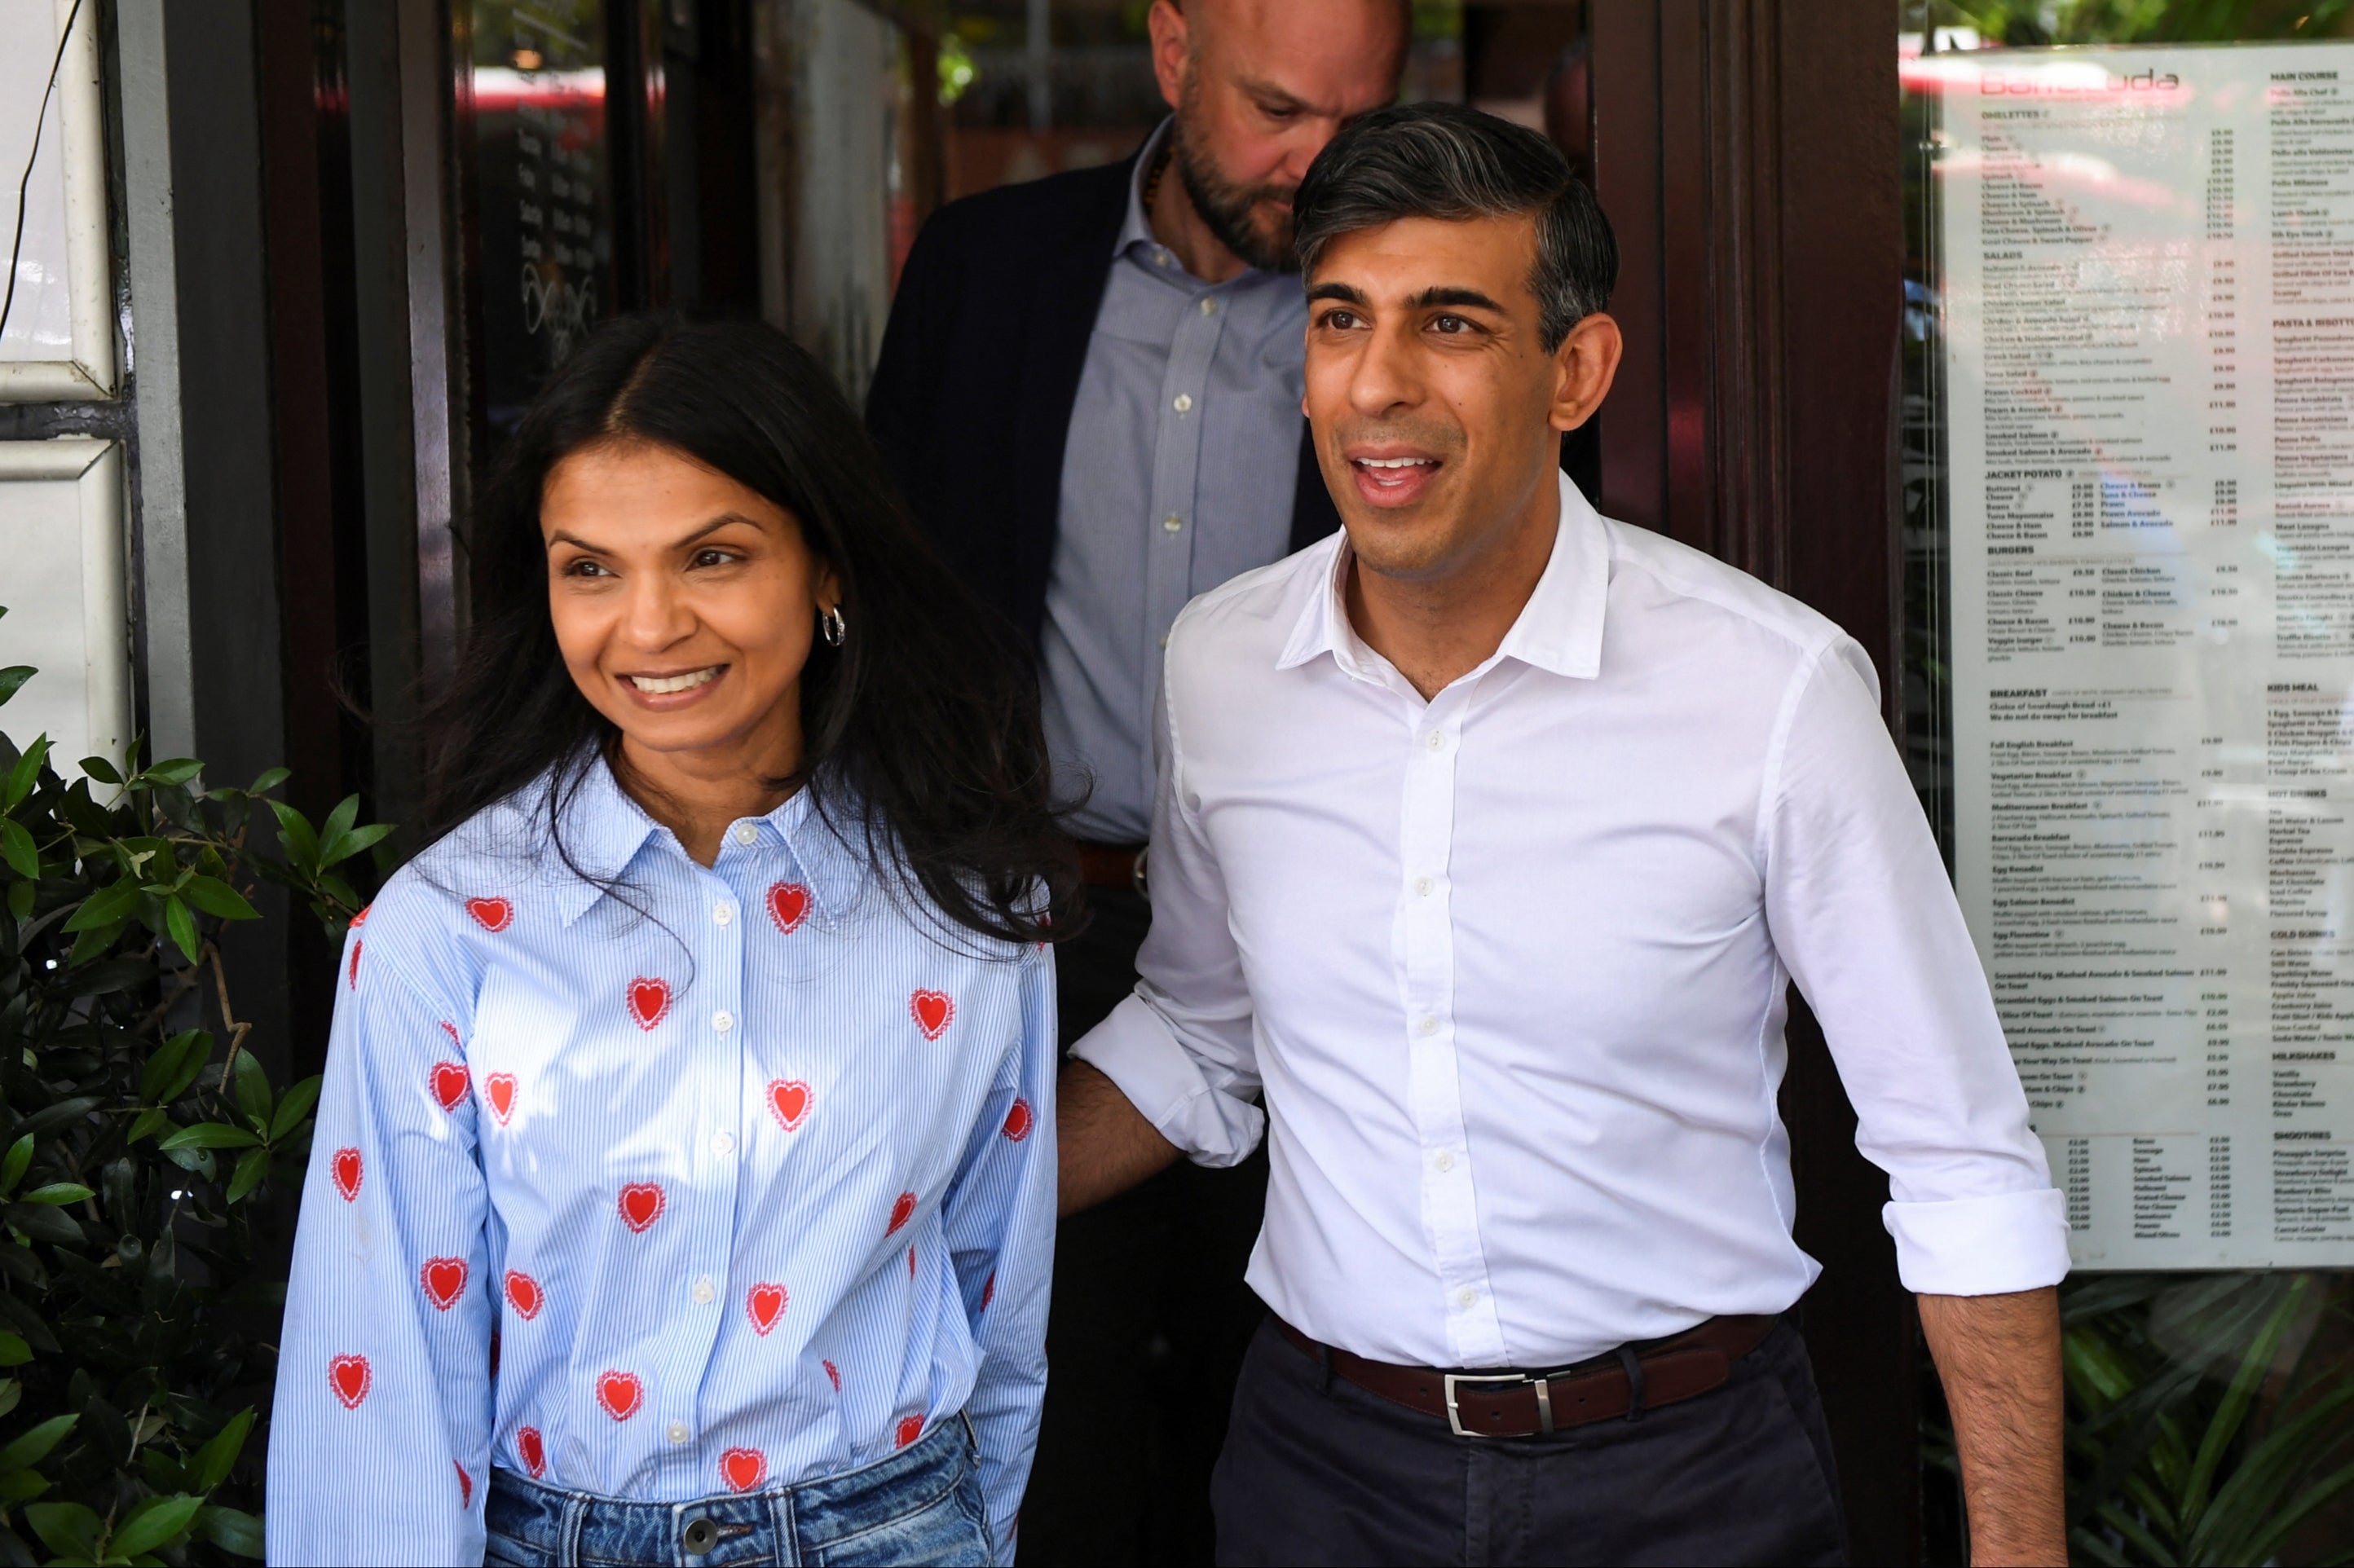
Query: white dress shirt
[[1510, 967]]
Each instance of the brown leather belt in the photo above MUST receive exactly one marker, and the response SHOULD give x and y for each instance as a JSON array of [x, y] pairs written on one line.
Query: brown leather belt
[[1111, 865], [1523, 1405]]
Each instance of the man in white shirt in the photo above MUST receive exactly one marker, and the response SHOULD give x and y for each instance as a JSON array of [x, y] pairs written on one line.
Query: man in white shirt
[[1489, 836]]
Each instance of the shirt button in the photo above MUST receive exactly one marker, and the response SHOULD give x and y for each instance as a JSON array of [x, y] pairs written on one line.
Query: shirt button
[[723, 1143], [1170, 524], [1160, 259], [747, 833], [704, 1292], [723, 1021], [723, 913], [1436, 740], [1164, 640], [1429, 1025], [1465, 1296], [1209, 307], [1184, 403], [1446, 1161], [1422, 887], [677, 1432]]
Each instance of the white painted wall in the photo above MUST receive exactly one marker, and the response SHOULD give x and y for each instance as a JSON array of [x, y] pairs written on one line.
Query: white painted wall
[[58, 339], [62, 580]]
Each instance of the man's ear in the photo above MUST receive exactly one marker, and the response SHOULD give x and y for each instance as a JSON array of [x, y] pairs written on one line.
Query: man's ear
[[1584, 366], [1172, 48]]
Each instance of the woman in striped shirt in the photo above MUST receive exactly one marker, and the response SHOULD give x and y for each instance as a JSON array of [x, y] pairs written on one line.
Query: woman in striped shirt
[[684, 1179]]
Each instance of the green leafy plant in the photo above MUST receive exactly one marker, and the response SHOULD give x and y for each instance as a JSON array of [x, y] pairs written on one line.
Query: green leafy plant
[[139, 1283], [2207, 1421]]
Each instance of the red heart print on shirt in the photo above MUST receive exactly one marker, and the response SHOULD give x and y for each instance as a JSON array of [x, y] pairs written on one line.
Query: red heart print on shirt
[[765, 1304], [357, 945], [649, 1002], [910, 1428], [642, 1205], [789, 1099], [620, 1394], [1018, 1121], [834, 1376], [360, 919], [444, 1280], [901, 1211], [491, 914], [500, 1089], [533, 1451], [989, 1290], [452, 1030], [743, 1468], [524, 1295], [911, 1263], [346, 1167], [933, 1011], [450, 1085], [789, 903], [348, 1376], [466, 1486]]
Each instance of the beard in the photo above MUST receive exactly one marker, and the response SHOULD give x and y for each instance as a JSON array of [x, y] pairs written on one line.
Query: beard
[[1227, 210]]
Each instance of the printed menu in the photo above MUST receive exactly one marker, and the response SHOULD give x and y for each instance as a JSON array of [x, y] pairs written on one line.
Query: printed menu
[[2148, 306]]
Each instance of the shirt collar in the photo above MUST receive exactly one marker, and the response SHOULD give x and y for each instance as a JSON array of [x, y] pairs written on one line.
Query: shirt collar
[[605, 832], [1136, 230], [1558, 630]]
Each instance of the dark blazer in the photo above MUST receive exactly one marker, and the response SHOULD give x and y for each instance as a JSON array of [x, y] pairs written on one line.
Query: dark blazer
[[972, 401]]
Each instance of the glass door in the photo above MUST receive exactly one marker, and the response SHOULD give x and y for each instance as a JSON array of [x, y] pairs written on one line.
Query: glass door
[[2127, 432]]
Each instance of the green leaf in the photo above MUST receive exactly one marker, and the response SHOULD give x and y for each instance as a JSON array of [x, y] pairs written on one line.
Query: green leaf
[[293, 1107], [215, 1459], [173, 1067], [67, 1529], [183, 927], [44, 1223], [272, 780], [152, 1120], [13, 677], [174, 771], [253, 1097], [18, 1485], [20, 900], [210, 1135], [2233, 1409], [25, 775], [16, 846], [294, 834], [56, 1192], [251, 1167], [100, 769], [355, 841], [11, 1391], [335, 829], [219, 899], [34, 1446], [152, 1524], [231, 1530], [14, 1351], [12, 1167], [116, 902]]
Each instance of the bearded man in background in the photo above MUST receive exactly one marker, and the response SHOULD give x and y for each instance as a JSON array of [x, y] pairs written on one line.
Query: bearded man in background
[[1090, 393]]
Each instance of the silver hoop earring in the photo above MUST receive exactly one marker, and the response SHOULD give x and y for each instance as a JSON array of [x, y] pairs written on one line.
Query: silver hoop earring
[[836, 630]]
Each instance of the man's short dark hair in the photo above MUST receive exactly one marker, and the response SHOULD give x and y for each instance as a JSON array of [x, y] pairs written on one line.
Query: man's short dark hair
[[1448, 162]]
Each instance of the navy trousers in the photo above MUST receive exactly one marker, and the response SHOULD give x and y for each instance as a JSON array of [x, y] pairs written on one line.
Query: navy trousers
[[1317, 1470]]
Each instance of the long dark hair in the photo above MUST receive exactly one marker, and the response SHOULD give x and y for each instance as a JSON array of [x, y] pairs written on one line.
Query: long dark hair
[[921, 733]]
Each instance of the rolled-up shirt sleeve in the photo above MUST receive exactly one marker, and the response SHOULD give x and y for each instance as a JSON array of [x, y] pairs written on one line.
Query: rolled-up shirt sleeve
[[1181, 1048], [1865, 919]]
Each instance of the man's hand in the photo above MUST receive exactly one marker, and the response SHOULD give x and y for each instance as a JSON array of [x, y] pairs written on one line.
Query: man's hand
[[1998, 1357], [1106, 1147]]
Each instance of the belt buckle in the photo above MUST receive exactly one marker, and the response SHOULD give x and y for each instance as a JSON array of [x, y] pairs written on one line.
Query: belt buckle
[[1455, 1417]]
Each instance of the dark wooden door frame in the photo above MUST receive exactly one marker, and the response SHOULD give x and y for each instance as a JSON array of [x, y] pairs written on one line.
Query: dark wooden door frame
[[1746, 153]]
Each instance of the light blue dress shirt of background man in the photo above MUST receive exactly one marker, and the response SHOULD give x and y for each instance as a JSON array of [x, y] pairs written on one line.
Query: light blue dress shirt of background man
[[1179, 472]]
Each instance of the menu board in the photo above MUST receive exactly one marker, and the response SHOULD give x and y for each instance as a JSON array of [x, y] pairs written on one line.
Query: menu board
[[2149, 273], [543, 192]]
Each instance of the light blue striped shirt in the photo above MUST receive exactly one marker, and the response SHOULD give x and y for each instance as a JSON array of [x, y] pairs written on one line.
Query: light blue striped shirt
[[719, 1180]]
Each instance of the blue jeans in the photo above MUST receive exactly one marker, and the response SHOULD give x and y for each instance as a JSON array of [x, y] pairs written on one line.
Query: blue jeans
[[921, 1506]]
